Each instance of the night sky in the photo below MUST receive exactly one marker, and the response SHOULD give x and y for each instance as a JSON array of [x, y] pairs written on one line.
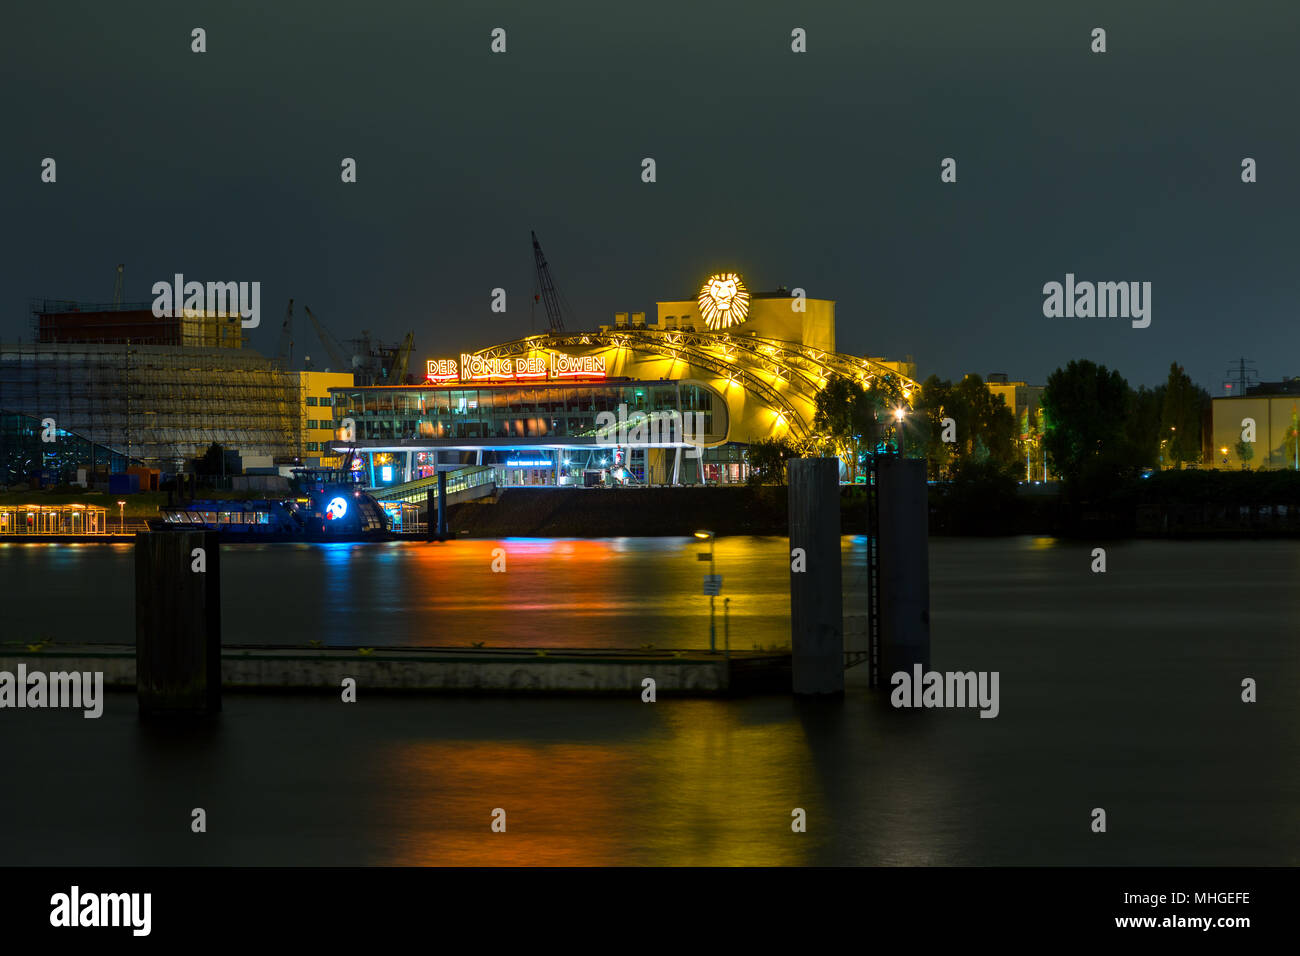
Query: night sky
[[818, 170]]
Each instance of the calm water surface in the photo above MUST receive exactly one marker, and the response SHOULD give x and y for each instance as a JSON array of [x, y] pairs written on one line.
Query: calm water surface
[[1119, 690]]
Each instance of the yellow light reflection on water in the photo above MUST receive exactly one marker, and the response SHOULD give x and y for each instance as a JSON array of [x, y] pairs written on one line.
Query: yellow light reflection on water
[[701, 787]]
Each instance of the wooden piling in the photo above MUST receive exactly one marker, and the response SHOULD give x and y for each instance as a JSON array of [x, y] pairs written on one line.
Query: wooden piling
[[904, 548], [178, 622], [816, 596]]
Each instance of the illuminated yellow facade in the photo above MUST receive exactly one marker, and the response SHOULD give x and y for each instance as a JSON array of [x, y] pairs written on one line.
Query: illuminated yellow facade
[[316, 416], [767, 368], [1262, 427], [672, 401]]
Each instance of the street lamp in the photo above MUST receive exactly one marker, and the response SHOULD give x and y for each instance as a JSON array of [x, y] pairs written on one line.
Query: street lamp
[[121, 517], [713, 644]]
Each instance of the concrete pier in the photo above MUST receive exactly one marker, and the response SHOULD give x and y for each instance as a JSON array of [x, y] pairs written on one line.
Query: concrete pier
[[816, 598], [455, 670], [904, 567], [178, 622]]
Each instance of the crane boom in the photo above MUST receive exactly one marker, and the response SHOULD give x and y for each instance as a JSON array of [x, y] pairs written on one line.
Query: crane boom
[[284, 353], [403, 358], [331, 346], [548, 294]]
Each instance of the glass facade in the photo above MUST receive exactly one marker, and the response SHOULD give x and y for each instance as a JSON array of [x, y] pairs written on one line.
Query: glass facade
[[542, 411], [25, 457], [537, 434]]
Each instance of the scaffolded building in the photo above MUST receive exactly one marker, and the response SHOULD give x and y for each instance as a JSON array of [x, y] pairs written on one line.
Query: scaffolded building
[[157, 403]]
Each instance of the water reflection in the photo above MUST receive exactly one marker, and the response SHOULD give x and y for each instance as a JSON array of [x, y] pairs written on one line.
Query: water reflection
[[1119, 690], [703, 786]]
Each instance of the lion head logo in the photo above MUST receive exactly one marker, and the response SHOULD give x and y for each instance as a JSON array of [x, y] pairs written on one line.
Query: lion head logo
[[724, 301]]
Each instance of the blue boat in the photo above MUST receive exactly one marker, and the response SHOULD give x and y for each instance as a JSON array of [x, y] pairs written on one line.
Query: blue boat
[[329, 508]]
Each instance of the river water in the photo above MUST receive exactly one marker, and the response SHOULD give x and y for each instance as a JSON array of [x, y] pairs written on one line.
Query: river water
[[1119, 690]]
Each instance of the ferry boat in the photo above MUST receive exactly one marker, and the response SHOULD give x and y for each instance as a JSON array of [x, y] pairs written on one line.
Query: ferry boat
[[330, 507]]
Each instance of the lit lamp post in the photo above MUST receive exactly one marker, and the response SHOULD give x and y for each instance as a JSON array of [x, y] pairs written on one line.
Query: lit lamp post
[[711, 588], [899, 413], [121, 517]]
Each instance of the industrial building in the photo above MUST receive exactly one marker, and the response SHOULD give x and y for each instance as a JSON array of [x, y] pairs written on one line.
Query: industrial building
[[1257, 431]]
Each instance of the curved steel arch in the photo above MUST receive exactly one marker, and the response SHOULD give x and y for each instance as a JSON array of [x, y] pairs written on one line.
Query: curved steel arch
[[689, 352], [743, 358]]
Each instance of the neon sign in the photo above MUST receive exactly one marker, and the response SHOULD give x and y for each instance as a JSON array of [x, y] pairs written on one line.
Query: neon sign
[[574, 366], [476, 368], [443, 370], [528, 368], [528, 463]]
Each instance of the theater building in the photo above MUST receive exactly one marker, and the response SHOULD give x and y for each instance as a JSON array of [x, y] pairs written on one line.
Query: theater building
[[673, 401]]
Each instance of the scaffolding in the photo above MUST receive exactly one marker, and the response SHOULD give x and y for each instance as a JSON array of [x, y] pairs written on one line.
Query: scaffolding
[[159, 404]]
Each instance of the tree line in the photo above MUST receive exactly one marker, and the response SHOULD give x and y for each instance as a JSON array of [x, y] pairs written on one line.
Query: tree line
[[1092, 428]]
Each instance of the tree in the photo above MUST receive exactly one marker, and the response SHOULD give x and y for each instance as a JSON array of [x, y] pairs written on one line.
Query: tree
[[930, 405], [1245, 451], [992, 423], [1087, 406], [1040, 465], [1181, 416], [213, 461], [854, 419], [1290, 451], [985, 429], [767, 459], [1028, 440], [1146, 408]]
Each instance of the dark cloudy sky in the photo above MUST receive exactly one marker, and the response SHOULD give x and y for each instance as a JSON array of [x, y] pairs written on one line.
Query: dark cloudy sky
[[818, 170]]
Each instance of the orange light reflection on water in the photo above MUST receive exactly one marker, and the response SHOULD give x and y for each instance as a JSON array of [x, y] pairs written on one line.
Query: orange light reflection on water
[[700, 787]]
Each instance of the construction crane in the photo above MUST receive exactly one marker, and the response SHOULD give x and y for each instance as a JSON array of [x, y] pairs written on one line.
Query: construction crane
[[547, 293], [284, 354], [403, 358], [331, 344]]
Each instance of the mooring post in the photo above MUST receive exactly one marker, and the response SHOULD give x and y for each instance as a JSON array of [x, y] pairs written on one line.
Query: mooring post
[[904, 549], [442, 506], [178, 622], [816, 598]]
